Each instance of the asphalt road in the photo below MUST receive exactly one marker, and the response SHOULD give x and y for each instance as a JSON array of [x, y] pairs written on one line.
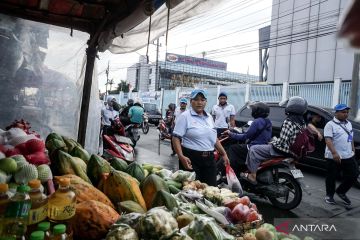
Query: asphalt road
[[312, 205]]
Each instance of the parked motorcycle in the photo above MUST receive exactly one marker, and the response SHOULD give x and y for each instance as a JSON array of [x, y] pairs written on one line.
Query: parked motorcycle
[[145, 124], [116, 144], [278, 180]]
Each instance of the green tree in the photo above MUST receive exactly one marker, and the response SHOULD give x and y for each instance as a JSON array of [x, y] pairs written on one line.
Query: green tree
[[123, 86]]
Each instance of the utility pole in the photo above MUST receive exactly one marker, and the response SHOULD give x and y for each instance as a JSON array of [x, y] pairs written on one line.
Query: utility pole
[[354, 98], [107, 78], [157, 80]]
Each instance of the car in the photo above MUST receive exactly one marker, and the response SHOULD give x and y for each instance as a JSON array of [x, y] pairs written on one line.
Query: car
[[153, 113], [277, 116]]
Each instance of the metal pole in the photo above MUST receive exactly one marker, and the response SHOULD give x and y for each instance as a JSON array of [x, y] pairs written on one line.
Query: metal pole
[[90, 61], [157, 81], [354, 98]]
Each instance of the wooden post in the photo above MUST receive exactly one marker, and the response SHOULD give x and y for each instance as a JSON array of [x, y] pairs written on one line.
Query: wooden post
[[91, 52]]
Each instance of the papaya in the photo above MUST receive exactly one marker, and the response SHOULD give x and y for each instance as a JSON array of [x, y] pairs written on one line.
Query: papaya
[[85, 191], [96, 167], [54, 144], [80, 153], [120, 186], [53, 136], [135, 170], [150, 186], [129, 207], [96, 219], [164, 198], [68, 165], [70, 143], [118, 164]]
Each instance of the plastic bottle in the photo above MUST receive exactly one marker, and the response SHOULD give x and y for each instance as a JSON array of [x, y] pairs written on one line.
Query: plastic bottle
[[45, 227], [4, 203], [17, 213], [39, 203], [37, 235], [61, 204], [59, 232]]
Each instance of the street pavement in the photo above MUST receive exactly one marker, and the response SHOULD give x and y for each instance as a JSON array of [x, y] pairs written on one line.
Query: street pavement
[[312, 205]]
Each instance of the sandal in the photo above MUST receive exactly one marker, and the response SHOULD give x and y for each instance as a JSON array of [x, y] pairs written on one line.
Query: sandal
[[245, 176]]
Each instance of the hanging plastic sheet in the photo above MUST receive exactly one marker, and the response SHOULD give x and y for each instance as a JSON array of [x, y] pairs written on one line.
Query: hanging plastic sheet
[[40, 77]]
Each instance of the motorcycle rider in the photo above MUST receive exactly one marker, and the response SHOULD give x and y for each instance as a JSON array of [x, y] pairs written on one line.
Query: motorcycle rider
[[124, 118], [295, 109], [136, 113], [259, 132], [108, 113]]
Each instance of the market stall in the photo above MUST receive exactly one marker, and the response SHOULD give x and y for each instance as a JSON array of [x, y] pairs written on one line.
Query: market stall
[[115, 199]]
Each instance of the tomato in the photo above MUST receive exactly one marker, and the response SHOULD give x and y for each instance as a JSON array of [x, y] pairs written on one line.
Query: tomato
[[252, 216], [245, 200], [240, 212], [231, 203], [253, 206]]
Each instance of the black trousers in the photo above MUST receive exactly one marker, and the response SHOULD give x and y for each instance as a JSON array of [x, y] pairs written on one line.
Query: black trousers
[[237, 155], [203, 164], [350, 171]]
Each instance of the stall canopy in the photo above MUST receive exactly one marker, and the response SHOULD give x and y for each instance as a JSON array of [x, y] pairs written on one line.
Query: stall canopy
[[118, 25]]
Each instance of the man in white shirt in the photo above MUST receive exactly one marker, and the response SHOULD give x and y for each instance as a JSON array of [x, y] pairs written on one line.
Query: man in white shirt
[[223, 114], [339, 154]]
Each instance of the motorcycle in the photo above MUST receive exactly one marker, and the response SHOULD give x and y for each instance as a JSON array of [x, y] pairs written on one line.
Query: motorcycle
[[116, 144], [145, 124], [132, 132], [164, 131], [278, 180]]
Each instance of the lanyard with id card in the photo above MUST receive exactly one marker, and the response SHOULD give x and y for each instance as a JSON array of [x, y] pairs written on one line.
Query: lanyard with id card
[[350, 137]]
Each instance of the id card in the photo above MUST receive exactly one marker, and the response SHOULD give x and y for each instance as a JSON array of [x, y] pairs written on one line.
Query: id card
[[350, 138]]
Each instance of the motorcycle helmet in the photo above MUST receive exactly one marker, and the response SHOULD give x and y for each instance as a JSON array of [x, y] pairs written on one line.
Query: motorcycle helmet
[[116, 106], [296, 105], [172, 106], [259, 109], [130, 102]]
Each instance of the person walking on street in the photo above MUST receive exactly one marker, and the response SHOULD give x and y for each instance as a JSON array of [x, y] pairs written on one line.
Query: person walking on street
[[339, 154], [223, 114], [177, 113], [194, 139]]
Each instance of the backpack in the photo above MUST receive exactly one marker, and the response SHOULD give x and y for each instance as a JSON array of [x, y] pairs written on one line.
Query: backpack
[[304, 143]]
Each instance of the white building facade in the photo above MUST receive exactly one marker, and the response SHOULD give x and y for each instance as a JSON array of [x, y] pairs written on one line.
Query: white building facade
[[303, 42]]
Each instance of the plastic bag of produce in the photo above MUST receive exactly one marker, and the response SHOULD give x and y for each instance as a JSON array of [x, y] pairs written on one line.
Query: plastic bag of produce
[[182, 176], [206, 228], [233, 181], [122, 232]]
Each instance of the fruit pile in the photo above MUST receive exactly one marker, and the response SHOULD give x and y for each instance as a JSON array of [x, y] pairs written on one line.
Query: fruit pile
[[118, 200]]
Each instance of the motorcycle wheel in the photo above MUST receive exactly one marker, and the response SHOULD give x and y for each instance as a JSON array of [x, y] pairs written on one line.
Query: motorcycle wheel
[[145, 128], [294, 190]]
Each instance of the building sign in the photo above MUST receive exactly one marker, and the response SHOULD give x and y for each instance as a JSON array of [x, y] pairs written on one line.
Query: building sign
[[201, 62]]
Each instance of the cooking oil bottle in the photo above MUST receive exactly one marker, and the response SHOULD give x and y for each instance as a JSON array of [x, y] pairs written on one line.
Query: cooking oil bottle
[[59, 232], [61, 204], [39, 203], [17, 213], [37, 235], [4, 203], [45, 227]]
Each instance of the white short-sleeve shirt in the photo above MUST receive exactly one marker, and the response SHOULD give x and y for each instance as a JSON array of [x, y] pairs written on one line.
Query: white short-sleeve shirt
[[196, 131], [342, 143], [222, 115]]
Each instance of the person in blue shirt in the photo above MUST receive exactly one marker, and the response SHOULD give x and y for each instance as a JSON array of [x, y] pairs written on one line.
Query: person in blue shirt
[[259, 132], [194, 139], [136, 113]]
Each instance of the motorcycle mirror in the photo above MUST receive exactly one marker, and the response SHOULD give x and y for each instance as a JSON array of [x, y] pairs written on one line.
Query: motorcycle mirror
[[283, 103]]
